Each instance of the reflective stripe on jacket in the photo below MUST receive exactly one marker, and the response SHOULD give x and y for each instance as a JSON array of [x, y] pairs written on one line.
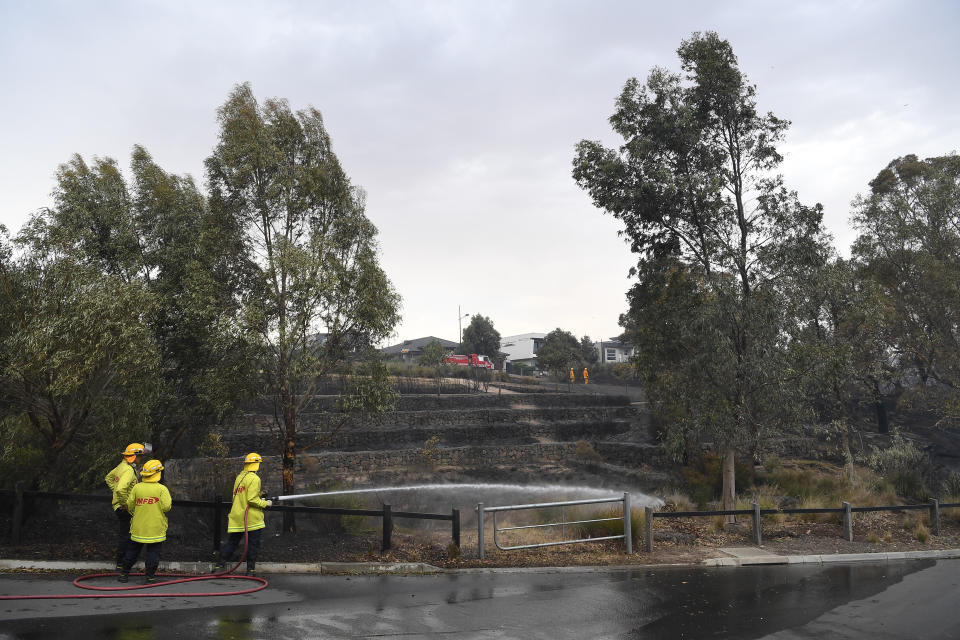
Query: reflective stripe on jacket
[[121, 480], [148, 504], [246, 490]]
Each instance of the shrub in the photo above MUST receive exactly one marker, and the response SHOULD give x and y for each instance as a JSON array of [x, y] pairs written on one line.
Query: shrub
[[771, 464], [676, 501], [873, 538], [430, 454], [906, 467], [609, 527], [586, 452], [453, 551], [921, 533]]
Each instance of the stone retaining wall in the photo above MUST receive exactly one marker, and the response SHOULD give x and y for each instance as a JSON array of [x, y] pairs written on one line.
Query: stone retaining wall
[[423, 402], [244, 441], [311, 420]]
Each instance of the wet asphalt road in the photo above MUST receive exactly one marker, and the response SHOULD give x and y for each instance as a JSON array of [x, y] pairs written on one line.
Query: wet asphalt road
[[916, 599]]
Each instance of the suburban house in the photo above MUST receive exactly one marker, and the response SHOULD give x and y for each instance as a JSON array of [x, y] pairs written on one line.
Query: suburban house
[[613, 350], [522, 349], [410, 350]]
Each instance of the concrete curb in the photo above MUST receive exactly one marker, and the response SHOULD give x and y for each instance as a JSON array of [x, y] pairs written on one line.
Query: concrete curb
[[327, 568], [890, 556], [422, 568]]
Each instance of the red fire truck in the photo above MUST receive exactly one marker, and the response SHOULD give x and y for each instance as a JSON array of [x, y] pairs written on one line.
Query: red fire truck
[[472, 360]]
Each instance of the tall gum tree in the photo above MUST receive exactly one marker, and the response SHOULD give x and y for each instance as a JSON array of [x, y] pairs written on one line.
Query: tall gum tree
[[320, 290], [156, 229], [909, 245], [717, 235]]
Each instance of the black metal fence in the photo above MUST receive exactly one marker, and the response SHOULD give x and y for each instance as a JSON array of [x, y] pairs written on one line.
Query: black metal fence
[[756, 514], [220, 508]]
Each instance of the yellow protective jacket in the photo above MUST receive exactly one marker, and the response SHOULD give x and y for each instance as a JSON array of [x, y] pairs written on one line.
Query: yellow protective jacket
[[121, 480], [148, 504], [246, 491]]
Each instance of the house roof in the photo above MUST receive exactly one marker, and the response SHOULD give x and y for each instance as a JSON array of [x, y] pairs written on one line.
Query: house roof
[[416, 345]]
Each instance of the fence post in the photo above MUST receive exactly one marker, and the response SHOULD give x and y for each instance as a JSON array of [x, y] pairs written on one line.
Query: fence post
[[648, 535], [456, 527], [217, 520], [847, 522], [935, 516], [17, 512], [756, 523], [387, 527], [627, 525], [480, 529]]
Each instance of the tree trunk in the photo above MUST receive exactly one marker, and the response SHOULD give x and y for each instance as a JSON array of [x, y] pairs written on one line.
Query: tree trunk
[[883, 423], [847, 454], [289, 460], [729, 490]]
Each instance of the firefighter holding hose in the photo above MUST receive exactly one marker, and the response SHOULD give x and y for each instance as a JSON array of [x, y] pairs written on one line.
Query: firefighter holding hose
[[121, 480], [249, 504]]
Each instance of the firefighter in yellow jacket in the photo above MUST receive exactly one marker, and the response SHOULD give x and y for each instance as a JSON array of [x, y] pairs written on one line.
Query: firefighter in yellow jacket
[[121, 480], [246, 494], [148, 504]]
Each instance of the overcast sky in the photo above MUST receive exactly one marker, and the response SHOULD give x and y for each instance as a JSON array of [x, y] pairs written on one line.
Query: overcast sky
[[459, 119]]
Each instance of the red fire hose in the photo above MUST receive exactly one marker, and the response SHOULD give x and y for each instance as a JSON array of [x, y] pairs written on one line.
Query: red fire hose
[[178, 578]]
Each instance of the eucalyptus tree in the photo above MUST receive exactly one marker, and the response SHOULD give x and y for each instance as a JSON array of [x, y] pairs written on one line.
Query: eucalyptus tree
[[559, 352], [717, 236], [909, 244], [480, 337], [78, 358], [319, 291], [588, 351], [840, 341], [157, 230]]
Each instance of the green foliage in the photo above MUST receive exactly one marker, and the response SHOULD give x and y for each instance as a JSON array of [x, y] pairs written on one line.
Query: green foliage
[[273, 174], [622, 370], [909, 247], [588, 352], [906, 467], [430, 454], [370, 391], [156, 231], [718, 239], [79, 361], [559, 352], [21, 450], [432, 355], [480, 337]]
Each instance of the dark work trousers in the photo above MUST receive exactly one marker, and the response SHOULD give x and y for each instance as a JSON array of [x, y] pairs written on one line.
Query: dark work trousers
[[235, 539], [123, 535], [150, 562]]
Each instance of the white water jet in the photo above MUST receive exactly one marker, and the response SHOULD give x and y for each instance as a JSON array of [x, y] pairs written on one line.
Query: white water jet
[[484, 491]]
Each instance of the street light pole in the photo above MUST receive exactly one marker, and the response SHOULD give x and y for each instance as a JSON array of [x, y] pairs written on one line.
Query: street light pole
[[460, 317]]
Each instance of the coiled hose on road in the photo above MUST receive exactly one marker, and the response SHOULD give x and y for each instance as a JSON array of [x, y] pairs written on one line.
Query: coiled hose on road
[[112, 592]]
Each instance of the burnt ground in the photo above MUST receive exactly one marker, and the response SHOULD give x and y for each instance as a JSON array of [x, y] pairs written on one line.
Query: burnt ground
[[66, 532]]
